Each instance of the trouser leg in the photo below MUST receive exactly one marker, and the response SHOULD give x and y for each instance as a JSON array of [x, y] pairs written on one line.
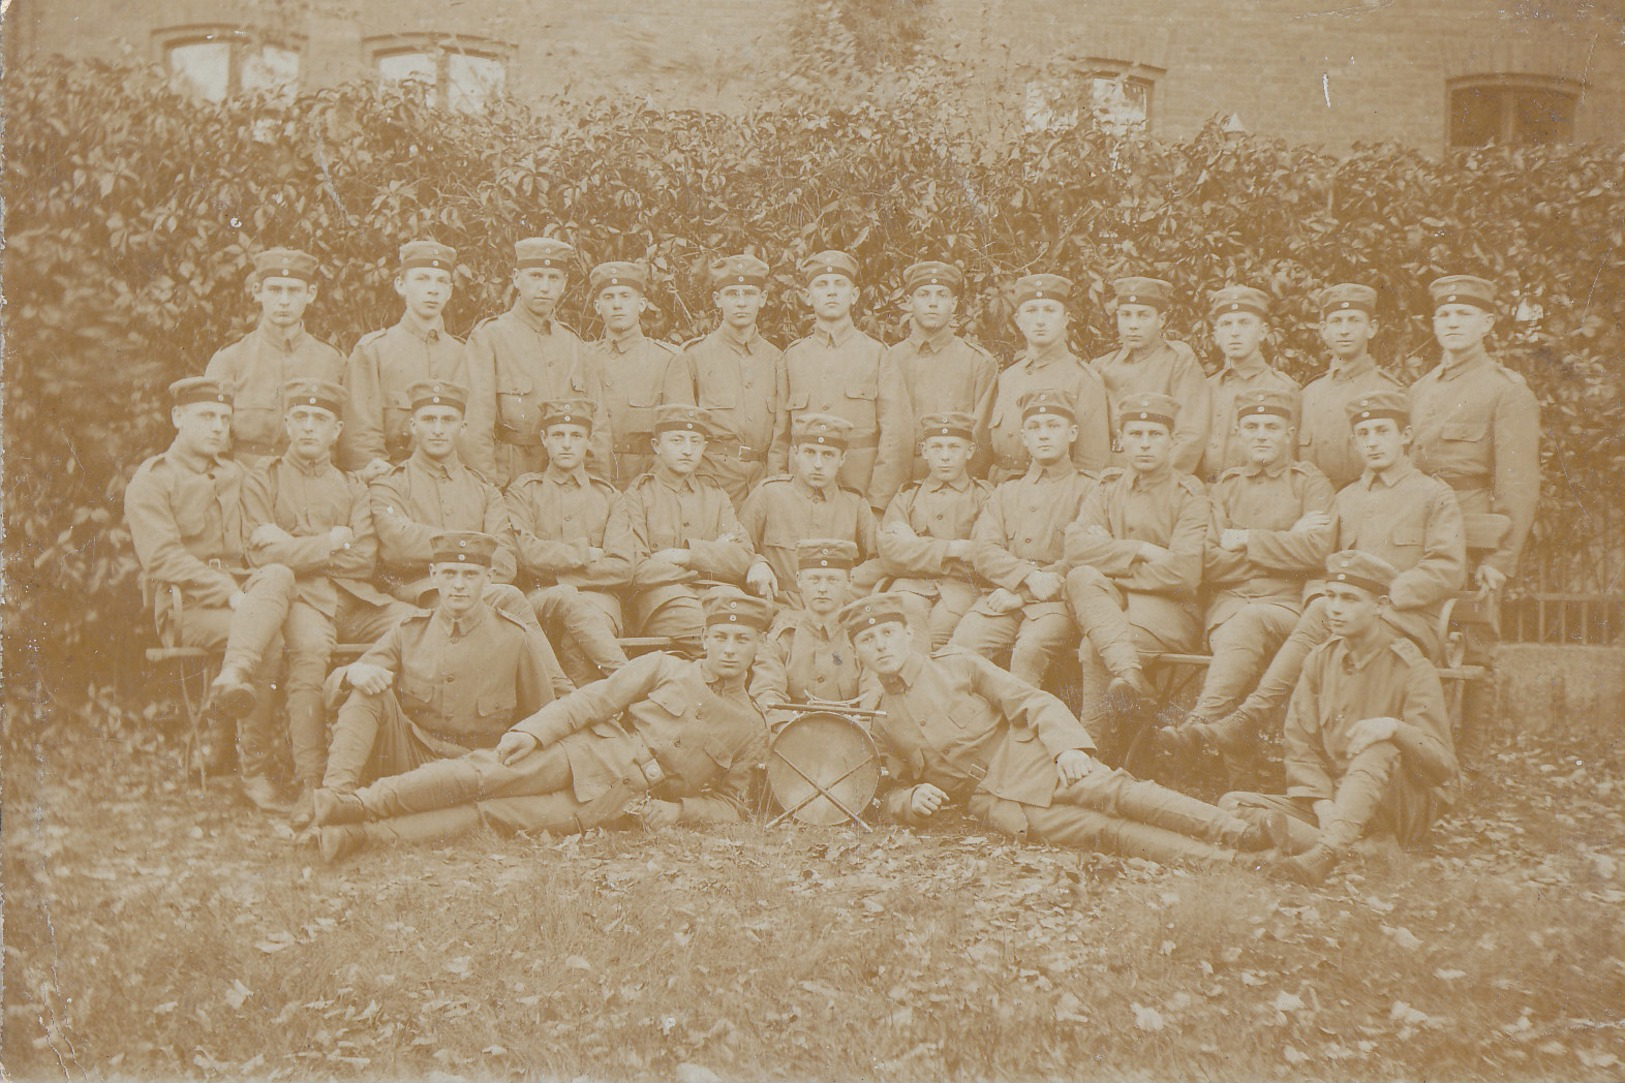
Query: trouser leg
[[1275, 686], [311, 636], [1086, 829], [1095, 711], [512, 601], [1242, 648], [1097, 607], [422, 828], [954, 600], [1038, 641], [256, 623], [1361, 794], [681, 619], [986, 634], [476, 776], [586, 625], [371, 738], [1120, 794], [1303, 830]]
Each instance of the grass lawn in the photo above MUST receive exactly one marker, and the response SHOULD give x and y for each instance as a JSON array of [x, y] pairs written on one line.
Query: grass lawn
[[154, 931]]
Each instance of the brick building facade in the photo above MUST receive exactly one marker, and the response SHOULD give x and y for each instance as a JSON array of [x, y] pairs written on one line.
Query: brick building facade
[[1429, 73]]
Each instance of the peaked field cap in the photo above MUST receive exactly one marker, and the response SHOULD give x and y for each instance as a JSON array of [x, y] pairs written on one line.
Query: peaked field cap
[[463, 547], [826, 429], [952, 423], [675, 417], [730, 605], [1463, 290], [1147, 406], [581, 412], [872, 610], [1155, 292], [285, 263], [324, 394], [1361, 569], [190, 389], [428, 254], [740, 270], [1042, 287], [1265, 400], [618, 273], [826, 553], [543, 252], [1048, 402], [1388, 402], [1239, 299], [438, 393], [831, 262], [1348, 295], [932, 273]]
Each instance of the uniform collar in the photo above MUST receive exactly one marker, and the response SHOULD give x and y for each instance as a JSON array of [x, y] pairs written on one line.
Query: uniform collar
[[1047, 355], [438, 469], [1390, 477], [958, 485], [717, 684], [541, 325], [1252, 365], [1357, 657], [197, 464], [1161, 475], [428, 332], [287, 342], [808, 491], [1145, 352], [838, 335], [904, 678], [463, 626], [1471, 363], [826, 629], [743, 343], [1252, 469], [578, 476], [1348, 370], [932, 343], [672, 480], [309, 470], [1062, 468], [626, 341]]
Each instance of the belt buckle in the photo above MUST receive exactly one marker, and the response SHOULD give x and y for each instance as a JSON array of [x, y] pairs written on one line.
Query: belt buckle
[[978, 771], [739, 452], [214, 562], [653, 773]]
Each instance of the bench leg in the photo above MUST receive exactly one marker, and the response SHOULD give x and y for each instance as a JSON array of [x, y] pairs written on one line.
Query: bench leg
[[208, 752]]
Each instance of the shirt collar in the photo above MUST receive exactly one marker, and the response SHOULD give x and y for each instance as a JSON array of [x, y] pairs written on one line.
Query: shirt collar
[[577, 477], [1360, 656], [1252, 469], [286, 341], [309, 470], [838, 335], [715, 683], [1046, 355], [808, 491], [626, 341], [438, 469], [1062, 468], [742, 343], [958, 485], [1252, 365], [428, 332], [936, 342], [197, 464], [904, 678], [1160, 475], [1145, 352], [540, 324]]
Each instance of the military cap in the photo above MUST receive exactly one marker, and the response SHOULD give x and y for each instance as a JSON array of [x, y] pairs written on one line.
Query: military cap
[[190, 389], [427, 254], [1387, 402], [285, 263], [873, 609], [307, 392], [1147, 406], [438, 393], [738, 271], [828, 263], [1042, 288], [463, 547], [1348, 295], [618, 273], [569, 412], [1240, 299], [1265, 400], [1047, 401], [826, 429], [1360, 569], [1463, 290], [952, 423], [542, 252], [730, 605], [675, 417], [1154, 292], [932, 273], [826, 553]]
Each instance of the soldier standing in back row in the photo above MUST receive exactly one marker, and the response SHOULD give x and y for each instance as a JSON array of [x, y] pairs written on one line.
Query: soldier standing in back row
[[1347, 324], [522, 359], [836, 370], [255, 368], [1240, 316], [1147, 362], [628, 366]]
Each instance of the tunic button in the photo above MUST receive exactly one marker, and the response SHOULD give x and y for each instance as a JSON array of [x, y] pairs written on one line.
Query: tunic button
[[939, 518], [678, 743], [820, 678]]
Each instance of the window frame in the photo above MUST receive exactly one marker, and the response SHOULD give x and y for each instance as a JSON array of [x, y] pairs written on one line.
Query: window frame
[[239, 41], [1074, 88], [1508, 85], [440, 47]]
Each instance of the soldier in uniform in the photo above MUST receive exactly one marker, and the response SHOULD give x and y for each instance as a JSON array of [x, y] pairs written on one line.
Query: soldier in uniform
[[385, 365], [1267, 538], [1240, 316], [925, 538], [302, 512], [1135, 551], [836, 370], [628, 366], [1347, 325], [732, 373], [1146, 361], [1017, 546], [522, 359], [958, 729], [1394, 512], [808, 503], [672, 740], [684, 529], [256, 367], [1367, 737], [1046, 364], [575, 543], [184, 511], [806, 655], [942, 372], [1477, 423]]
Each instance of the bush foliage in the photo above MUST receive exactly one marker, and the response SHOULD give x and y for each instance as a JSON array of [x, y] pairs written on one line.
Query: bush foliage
[[132, 214]]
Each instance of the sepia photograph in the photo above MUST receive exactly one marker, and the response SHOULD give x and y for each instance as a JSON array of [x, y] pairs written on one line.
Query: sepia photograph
[[884, 540]]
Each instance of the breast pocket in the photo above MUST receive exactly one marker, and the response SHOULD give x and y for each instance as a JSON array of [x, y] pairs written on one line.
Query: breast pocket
[[797, 401], [1406, 538], [194, 509], [865, 387], [721, 753], [671, 700], [414, 694], [1470, 431], [495, 707]]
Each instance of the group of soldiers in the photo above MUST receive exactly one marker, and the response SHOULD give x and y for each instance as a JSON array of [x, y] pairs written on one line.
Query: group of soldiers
[[837, 521]]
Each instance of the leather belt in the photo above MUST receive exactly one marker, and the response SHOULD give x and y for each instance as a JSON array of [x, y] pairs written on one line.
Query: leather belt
[[653, 773], [978, 771], [718, 449], [517, 437], [254, 447], [864, 443], [636, 443]]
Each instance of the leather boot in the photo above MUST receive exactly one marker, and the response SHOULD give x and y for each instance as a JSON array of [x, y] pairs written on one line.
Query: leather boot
[[304, 805], [329, 807], [340, 841], [263, 794], [231, 695], [1310, 868]]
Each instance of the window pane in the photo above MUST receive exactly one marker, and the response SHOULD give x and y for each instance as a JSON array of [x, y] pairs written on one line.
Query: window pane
[[1544, 116], [473, 81], [1475, 116], [400, 67], [1042, 112], [271, 69], [1119, 104], [204, 66]]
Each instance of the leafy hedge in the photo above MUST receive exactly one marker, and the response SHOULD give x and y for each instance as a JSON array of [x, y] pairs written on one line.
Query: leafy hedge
[[131, 214]]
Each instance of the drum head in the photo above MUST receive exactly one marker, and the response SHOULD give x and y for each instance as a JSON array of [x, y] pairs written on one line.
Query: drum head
[[818, 754]]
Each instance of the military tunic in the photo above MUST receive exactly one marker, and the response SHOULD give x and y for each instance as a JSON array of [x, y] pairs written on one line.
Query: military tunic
[[420, 498], [783, 510], [802, 658], [913, 545], [377, 379], [254, 369], [1224, 447], [667, 511], [1324, 436], [631, 371], [944, 373], [1055, 369], [1168, 368], [736, 382], [841, 374]]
